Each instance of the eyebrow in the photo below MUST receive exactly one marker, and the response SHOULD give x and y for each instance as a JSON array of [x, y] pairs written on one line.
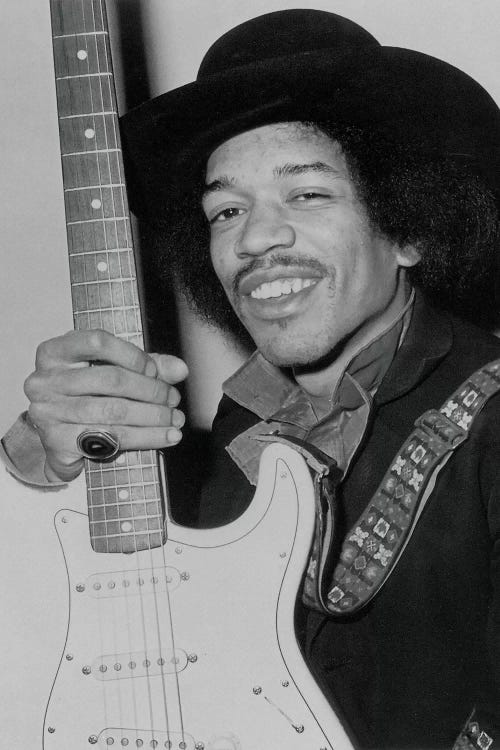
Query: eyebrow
[[291, 170], [286, 170]]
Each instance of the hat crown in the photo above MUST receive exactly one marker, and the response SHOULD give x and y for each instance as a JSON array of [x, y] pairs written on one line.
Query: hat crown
[[282, 34]]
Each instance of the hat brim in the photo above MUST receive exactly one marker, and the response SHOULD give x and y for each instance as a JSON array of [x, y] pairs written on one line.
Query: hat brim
[[405, 94]]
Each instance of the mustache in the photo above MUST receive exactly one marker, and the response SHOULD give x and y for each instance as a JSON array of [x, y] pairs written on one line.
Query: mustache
[[281, 260]]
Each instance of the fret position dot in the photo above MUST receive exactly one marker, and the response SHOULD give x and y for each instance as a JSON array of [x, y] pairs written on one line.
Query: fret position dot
[[120, 459], [102, 266], [96, 203], [123, 494], [89, 133], [81, 54], [126, 526]]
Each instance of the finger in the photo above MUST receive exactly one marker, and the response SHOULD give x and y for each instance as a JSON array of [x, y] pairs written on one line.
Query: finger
[[169, 368], [62, 448], [77, 347], [102, 410], [104, 380]]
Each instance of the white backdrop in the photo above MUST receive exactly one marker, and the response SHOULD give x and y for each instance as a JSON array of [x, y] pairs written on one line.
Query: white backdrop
[[34, 295]]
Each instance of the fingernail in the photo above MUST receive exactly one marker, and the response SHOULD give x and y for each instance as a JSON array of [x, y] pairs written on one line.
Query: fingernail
[[173, 398], [173, 435], [177, 418]]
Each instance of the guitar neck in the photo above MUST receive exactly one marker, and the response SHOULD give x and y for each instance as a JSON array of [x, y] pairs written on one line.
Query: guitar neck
[[126, 509]]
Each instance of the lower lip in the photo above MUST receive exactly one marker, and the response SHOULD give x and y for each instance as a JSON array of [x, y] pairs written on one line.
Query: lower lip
[[276, 308]]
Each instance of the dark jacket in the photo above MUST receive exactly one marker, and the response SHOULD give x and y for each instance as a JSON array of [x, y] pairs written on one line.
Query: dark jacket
[[408, 670]]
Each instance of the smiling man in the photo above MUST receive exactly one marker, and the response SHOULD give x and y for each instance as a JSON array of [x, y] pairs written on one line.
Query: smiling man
[[338, 200], [295, 252]]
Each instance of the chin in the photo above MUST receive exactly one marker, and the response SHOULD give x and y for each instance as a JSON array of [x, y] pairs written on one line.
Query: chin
[[294, 354]]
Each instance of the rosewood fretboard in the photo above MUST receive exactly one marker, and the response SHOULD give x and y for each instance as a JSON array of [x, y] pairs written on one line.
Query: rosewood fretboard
[[124, 497]]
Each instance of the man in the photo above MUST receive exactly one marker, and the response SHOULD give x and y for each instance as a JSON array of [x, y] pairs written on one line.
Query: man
[[333, 188]]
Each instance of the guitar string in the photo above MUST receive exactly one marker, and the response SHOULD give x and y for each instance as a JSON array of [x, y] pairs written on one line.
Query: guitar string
[[93, 109], [128, 244], [131, 683], [169, 608], [88, 181]]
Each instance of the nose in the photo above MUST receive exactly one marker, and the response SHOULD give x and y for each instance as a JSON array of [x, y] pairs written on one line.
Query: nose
[[265, 228]]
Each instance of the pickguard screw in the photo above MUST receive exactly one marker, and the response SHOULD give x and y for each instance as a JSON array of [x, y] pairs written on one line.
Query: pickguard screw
[[257, 690], [178, 550], [64, 519], [51, 730], [185, 576], [86, 670], [285, 683], [199, 746], [192, 658], [93, 739], [299, 728], [69, 657], [282, 554], [80, 587]]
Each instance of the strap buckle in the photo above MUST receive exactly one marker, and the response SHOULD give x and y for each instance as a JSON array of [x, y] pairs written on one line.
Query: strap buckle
[[442, 432]]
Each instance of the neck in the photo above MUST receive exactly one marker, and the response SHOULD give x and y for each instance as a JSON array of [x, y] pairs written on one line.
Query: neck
[[321, 381]]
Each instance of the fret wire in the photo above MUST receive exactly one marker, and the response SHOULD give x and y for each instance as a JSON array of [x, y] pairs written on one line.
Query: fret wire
[[138, 501], [107, 309], [128, 534], [94, 151], [96, 187], [80, 33], [82, 75], [99, 252], [126, 485], [103, 281], [89, 114], [127, 518], [96, 221], [123, 467]]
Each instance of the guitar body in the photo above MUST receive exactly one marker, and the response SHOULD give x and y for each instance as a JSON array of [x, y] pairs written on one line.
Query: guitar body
[[133, 631], [190, 644]]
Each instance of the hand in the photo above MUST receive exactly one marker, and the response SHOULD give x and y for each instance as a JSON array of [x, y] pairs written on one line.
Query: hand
[[130, 393]]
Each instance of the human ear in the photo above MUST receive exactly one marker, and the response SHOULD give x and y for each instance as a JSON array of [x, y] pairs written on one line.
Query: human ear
[[407, 256]]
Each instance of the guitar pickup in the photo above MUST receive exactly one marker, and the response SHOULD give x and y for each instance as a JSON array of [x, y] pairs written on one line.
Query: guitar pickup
[[146, 738], [138, 664], [132, 582]]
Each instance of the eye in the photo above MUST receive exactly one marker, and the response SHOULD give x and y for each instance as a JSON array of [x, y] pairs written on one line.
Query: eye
[[225, 215], [310, 195]]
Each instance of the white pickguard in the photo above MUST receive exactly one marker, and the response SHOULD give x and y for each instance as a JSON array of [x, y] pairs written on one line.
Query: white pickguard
[[211, 664]]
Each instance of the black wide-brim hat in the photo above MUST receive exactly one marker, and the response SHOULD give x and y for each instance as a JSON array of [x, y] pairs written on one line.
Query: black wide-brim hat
[[313, 66]]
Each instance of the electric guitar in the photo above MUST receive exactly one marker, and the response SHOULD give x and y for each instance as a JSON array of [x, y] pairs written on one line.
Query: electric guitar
[[143, 633]]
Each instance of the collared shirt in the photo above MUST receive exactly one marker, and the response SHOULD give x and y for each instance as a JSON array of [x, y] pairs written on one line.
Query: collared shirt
[[282, 405]]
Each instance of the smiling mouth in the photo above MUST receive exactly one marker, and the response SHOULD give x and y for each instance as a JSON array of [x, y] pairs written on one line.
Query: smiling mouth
[[281, 287]]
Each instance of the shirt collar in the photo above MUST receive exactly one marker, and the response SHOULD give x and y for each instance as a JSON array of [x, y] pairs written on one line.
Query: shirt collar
[[269, 391]]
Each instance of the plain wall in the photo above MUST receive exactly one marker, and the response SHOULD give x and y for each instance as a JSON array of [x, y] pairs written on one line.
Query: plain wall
[[34, 286]]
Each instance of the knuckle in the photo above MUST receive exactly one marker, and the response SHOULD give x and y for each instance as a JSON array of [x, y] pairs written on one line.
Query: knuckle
[[32, 385], [44, 354], [113, 379], [96, 339]]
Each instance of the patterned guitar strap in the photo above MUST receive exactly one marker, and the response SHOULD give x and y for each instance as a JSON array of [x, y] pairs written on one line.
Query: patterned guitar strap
[[372, 548]]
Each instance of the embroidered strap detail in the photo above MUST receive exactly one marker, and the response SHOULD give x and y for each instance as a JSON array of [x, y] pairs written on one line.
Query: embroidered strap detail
[[373, 546], [472, 737]]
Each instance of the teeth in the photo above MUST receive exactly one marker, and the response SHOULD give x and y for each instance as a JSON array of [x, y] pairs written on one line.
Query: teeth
[[281, 287]]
